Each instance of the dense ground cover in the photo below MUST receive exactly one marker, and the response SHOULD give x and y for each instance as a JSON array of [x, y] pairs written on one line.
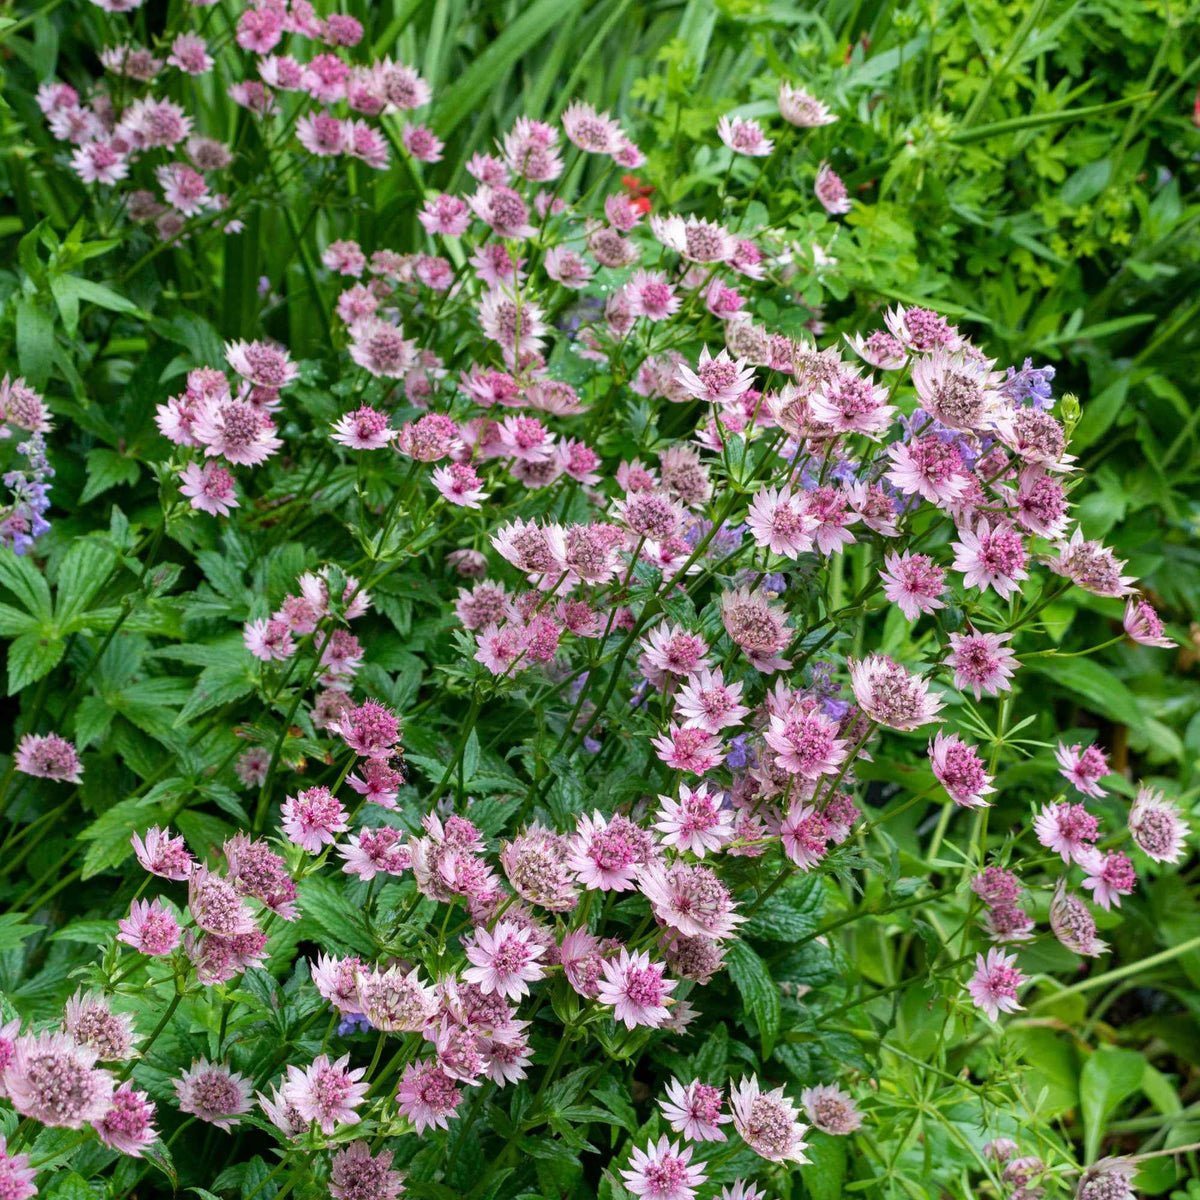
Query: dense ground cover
[[599, 600]]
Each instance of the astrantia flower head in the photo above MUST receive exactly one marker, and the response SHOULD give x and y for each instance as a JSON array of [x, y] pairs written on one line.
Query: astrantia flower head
[[313, 818], [535, 862], [1143, 624], [756, 627], [1073, 924], [1157, 827], [689, 898], [1067, 829], [636, 988], [91, 1022], [1083, 769], [392, 1000], [921, 330], [928, 467], [261, 363], [214, 1093], [695, 1110], [981, 662], [993, 987], [372, 730], [209, 488], [1109, 877], [768, 1122], [779, 520], [48, 756], [1091, 566], [805, 742], [798, 108], [595, 132], [887, 693], [163, 855], [914, 582], [216, 906], [744, 137], [128, 1125], [830, 1109], [716, 380], [804, 834], [326, 1092], [707, 701], [363, 429], [690, 749], [236, 431], [16, 1175], [1108, 1179], [695, 240], [427, 1095], [504, 960], [54, 1080], [605, 852], [959, 769], [991, 555], [150, 928], [695, 822], [663, 1171], [356, 1174], [831, 191]]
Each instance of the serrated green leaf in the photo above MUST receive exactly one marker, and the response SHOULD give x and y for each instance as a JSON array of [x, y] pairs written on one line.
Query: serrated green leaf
[[758, 991]]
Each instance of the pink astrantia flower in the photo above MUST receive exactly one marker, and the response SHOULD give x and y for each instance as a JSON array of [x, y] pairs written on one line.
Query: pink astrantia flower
[[427, 1095], [504, 960], [326, 1092], [363, 429], [717, 379], [779, 520], [959, 769], [831, 1110], [887, 693], [209, 488], [991, 556], [356, 1174], [592, 131], [706, 701], [391, 1000], [804, 835], [695, 240], [805, 742], [1073, 924], [993, 987], [150, 928], [48, 756], [690, 749], [928, 467], [163, 855], [663, 1171], [799, 108], [636, 989], [216, 905], [695, 1111], [313, 818], [128, 1126], [744, 137], [1083, 769], [605, 852], [54, 1080], [849, 403], [1109, 877], [269, 641], [689, 898], [236, 431], [831, 191], [16, 1175], [981, 662], [695, 822], [1157, 827], [1091, 566], [914, 582], [673, 650], [650, 295], [768, 1122], [371, 851], [372, 730], [214, 1093], [1067, 829], [1143, 624]]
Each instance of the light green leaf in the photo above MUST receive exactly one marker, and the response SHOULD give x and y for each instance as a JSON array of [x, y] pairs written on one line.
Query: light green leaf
[[84, 571], [759, 994], [25, 582], [1100, 690], [31, 656], [1107, 1078], [14, 930]]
